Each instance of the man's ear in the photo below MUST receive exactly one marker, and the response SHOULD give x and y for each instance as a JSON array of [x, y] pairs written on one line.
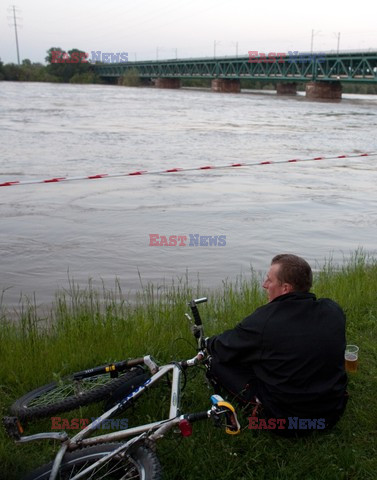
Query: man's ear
[[287, 288]]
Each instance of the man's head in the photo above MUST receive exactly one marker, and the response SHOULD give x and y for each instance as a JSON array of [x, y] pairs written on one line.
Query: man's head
[[288, 273]]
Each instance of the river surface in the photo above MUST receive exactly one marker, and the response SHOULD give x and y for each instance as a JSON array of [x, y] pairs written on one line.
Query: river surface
[[100, 229]]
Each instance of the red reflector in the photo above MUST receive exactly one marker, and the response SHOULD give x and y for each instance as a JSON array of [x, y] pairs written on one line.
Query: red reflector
[[19, 428], [185, 428]]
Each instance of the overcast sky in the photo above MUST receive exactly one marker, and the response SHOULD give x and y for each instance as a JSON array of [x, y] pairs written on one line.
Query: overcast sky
[[146, 29]]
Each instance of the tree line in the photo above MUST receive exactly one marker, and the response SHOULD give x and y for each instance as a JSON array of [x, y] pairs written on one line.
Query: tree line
[[62, 66]]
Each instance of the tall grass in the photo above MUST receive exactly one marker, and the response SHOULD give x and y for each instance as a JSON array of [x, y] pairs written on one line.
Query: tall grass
[[85, 327]]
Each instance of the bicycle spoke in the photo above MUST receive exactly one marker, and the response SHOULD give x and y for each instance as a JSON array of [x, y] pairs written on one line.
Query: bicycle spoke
[[117, 469], [64, 391]]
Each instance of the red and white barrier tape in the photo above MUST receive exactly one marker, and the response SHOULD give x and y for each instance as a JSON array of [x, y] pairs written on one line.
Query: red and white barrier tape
[[175, 170]]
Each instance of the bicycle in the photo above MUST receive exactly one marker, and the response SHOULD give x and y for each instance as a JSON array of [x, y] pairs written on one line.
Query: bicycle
[[134, 456]]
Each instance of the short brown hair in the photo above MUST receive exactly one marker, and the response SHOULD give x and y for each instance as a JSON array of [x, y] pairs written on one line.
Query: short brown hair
[[294, 270]]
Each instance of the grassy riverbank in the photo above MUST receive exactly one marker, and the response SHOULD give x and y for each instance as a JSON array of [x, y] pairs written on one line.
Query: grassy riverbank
[[86, 327]]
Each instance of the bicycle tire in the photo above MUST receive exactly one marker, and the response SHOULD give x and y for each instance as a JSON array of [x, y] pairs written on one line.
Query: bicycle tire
[[69, 394], [140, 464]]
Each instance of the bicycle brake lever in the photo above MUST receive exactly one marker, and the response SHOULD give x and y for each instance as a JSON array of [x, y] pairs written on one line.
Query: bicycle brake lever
[[221, 407]]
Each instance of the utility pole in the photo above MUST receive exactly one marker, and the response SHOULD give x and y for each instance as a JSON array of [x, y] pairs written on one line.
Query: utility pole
[[236, 45], [13, 7], [312, 39], [236, 48], [215, 43], [338, 37]]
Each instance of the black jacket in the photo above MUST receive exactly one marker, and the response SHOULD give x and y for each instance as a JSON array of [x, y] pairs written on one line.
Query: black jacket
[[292, 349]]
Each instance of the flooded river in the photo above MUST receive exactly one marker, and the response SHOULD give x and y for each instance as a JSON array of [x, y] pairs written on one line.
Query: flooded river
[[101, 229]]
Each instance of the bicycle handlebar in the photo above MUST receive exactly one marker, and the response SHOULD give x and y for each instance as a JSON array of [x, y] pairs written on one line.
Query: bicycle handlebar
[[198, 332], [200, 300], [193, 305], [193, 361], [194, 417], [220, 409], [108, 368]]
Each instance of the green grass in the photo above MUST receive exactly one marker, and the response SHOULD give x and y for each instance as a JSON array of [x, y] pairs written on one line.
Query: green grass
[[85, 327]]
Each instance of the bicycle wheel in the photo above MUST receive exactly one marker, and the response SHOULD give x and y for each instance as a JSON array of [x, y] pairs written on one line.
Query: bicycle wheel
[[69, 393], [141, 464]]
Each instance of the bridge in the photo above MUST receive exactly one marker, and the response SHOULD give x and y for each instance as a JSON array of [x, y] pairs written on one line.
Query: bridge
[[323, 73]]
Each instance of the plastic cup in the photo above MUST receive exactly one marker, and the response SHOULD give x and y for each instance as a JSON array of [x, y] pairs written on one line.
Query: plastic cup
[[351, 357]]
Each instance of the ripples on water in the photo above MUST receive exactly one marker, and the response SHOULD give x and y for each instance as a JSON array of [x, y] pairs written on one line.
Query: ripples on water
[[100, 229]]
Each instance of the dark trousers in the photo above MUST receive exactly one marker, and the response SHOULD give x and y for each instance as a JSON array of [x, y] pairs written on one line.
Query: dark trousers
[[242, 385], [231, 382]]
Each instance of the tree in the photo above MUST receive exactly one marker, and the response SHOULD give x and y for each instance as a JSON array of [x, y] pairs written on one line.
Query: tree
[[11, 72], [65, 65], [130, 79]]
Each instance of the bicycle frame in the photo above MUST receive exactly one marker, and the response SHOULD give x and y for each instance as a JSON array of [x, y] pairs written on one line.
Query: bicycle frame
[[151, 431], [174, 411]]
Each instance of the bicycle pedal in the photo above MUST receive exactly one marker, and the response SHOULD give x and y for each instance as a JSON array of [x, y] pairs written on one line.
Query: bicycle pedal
[[13, 427]]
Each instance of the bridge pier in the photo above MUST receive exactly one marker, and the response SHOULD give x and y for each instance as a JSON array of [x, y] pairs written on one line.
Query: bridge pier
[[289, 88], [324, 90], [226, 85], [168, 83]]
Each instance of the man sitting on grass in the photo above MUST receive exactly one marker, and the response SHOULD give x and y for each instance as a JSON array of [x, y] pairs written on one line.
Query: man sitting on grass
[[288, 355]]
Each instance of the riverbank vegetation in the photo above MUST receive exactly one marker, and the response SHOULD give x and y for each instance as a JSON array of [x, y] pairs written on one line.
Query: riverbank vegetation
[[62, 66], [130, 79], [86, 327]]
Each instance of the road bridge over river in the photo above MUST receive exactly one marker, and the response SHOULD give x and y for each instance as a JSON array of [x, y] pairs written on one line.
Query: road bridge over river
[[323, 73]]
